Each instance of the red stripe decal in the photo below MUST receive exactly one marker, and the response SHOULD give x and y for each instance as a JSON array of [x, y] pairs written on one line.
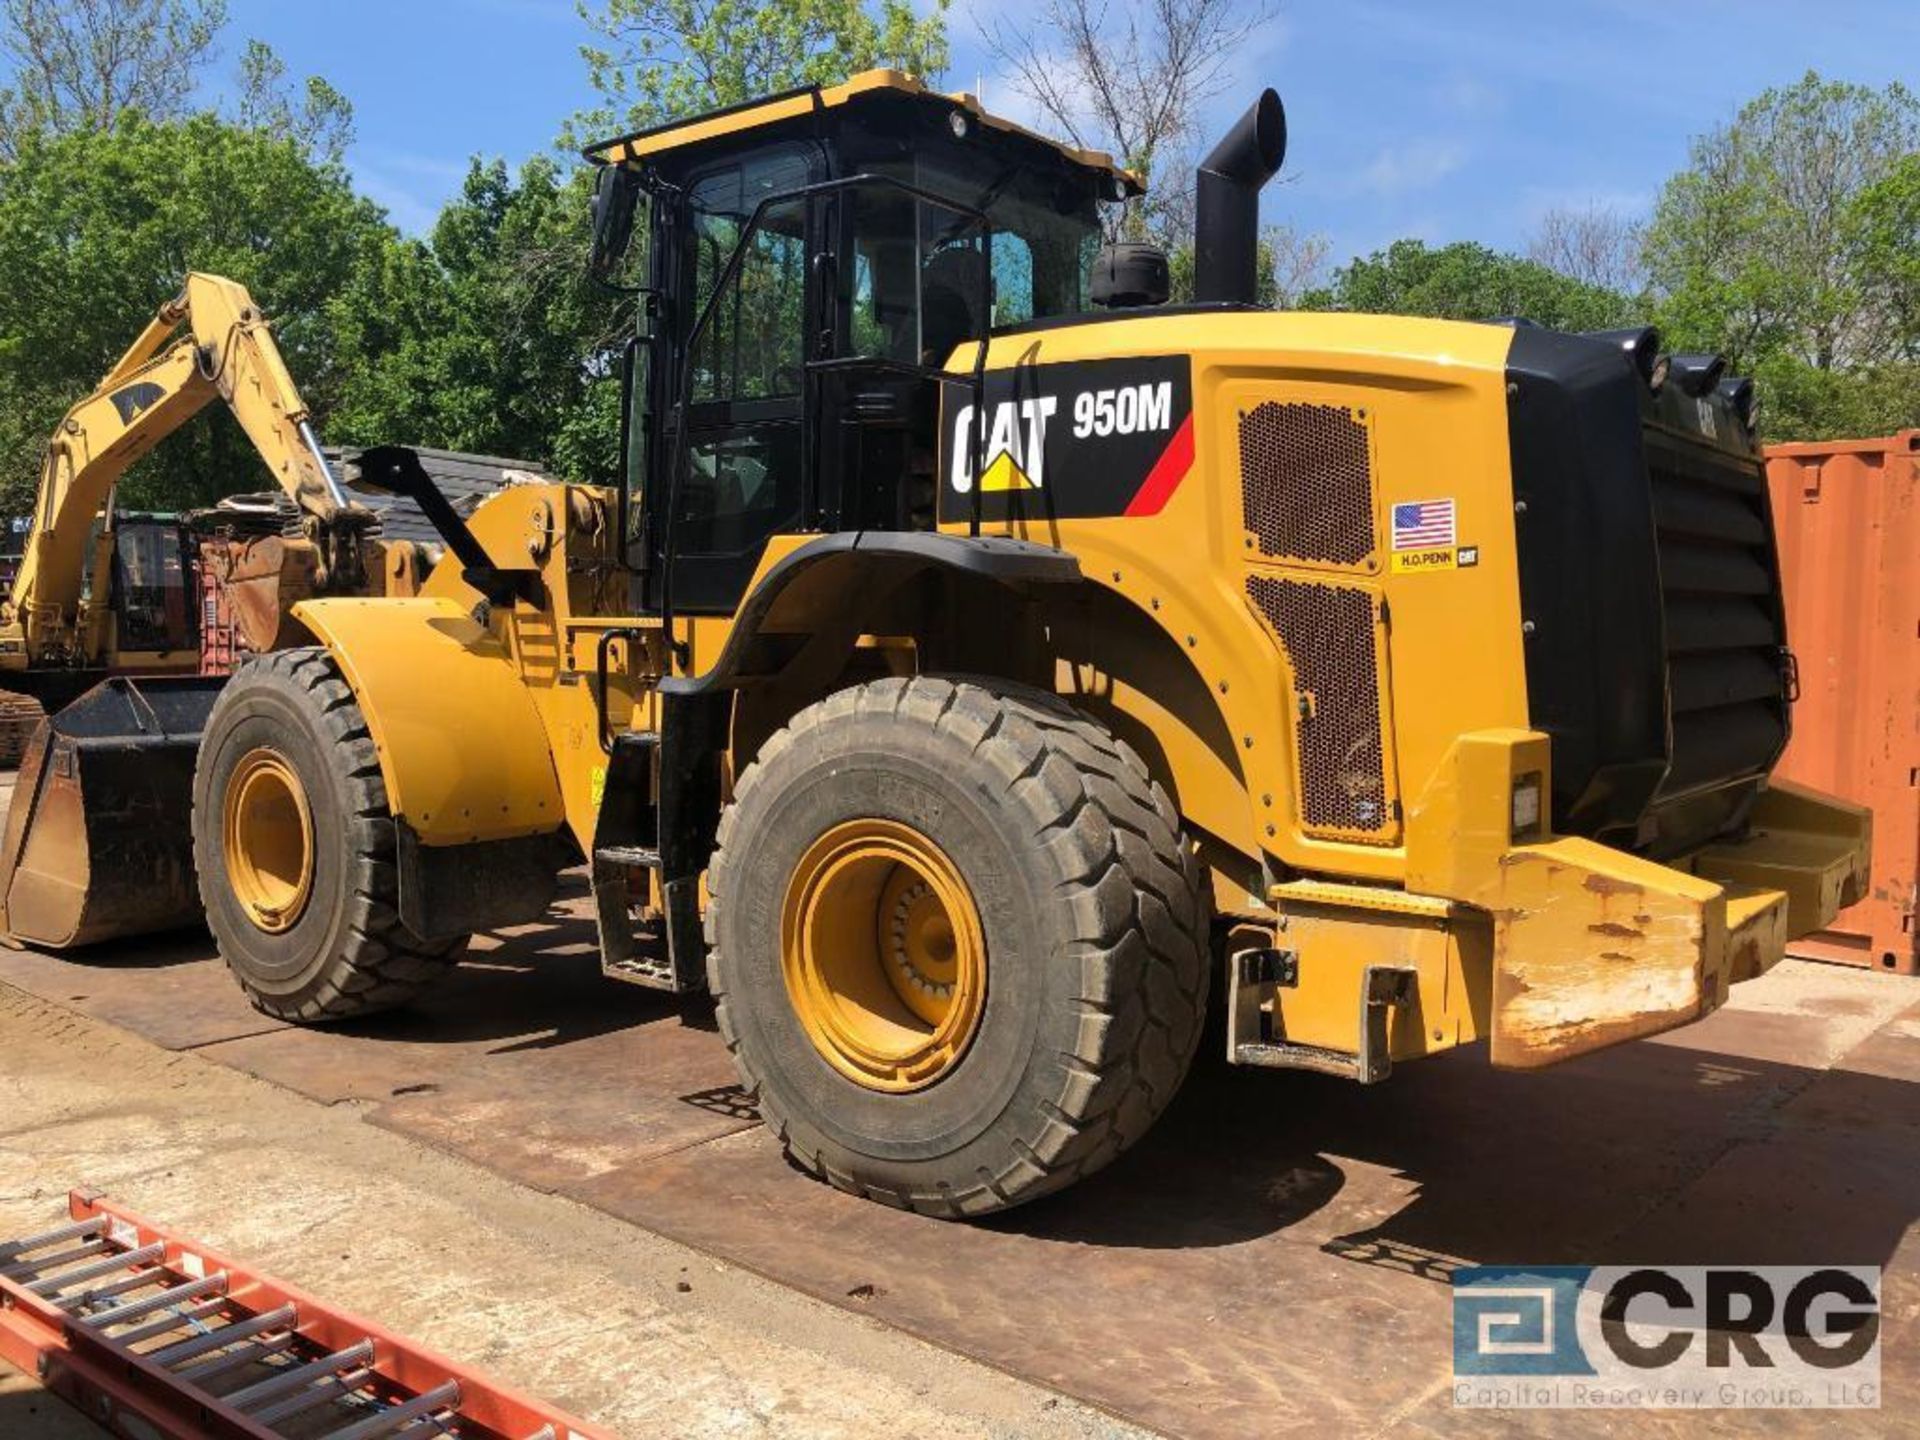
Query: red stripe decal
[[1167, 473]]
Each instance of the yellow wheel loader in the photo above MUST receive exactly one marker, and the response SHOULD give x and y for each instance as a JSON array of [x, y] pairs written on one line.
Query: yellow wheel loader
[[981, 660], [95, 843]]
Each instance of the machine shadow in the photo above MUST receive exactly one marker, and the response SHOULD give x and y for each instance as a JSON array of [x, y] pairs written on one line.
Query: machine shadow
[[36, 1414], [535, 987], [1648, 1153], [164, 951]]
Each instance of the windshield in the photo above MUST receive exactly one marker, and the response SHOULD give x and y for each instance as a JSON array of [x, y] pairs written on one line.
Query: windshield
[[916, 281]]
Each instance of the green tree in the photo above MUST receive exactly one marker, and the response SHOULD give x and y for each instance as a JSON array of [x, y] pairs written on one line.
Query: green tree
[[1782, 246], [653, 60], [95, 233], [76, 65], [317, 115], [488, 335], [1882, 240], [1467, 281]]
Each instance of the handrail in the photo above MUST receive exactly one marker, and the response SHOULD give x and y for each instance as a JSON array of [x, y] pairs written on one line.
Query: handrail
[[601, 671], [680, 458]]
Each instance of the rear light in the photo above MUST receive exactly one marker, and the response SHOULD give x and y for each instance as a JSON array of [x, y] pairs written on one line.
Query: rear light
[[1699, 374], [1526, 806]]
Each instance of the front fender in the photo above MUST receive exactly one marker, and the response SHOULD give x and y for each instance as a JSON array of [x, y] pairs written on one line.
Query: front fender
[[462, 750], [807, 588]]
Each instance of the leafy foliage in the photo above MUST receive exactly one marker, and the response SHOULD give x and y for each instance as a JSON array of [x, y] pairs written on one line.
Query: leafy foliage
[[95, 236], [488, 335], [655, 59], [319, 117], [1784, 245], [1466, 281]]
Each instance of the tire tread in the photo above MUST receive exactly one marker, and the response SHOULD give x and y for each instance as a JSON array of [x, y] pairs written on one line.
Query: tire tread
[[1143, 977], [381, 965]]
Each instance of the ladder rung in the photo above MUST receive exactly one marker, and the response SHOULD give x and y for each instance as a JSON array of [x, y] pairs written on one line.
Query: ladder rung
[[95, 1226], [299, 1375], [206, 1309], [53, 1284], [134, 1309], [334, 1387], [21, 1269], [125, 1285], [219, 1339], [441, 1397], [249, 1353]]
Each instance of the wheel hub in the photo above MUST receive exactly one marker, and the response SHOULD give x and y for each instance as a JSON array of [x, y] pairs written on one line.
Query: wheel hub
[[267, 839], [884, 954]]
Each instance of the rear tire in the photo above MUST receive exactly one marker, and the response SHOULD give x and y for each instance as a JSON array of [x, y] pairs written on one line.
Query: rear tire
[[311, 933], [1085, 890]]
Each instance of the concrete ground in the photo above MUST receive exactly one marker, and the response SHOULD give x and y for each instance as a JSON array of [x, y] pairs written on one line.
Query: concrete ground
[[618, 1325]]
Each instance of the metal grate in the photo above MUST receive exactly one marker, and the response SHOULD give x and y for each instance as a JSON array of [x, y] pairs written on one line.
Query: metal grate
[[1329, 633], [1720, 584], [1306, 482]]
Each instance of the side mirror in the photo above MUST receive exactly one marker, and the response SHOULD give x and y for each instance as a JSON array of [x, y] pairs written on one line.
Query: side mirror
[[615, 195]]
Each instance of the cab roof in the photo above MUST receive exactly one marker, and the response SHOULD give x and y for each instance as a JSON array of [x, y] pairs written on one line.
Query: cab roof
[[793, 104]]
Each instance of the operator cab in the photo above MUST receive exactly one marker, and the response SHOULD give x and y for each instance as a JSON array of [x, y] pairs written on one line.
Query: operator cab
[[815, 266]]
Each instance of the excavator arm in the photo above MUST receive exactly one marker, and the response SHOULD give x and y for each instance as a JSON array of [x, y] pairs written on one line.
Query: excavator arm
[[211, 341]]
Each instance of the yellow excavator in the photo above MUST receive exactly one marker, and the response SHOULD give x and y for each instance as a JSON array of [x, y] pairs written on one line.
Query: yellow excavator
[[74, 618]]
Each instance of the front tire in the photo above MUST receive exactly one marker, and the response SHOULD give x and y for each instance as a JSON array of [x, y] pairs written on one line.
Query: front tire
[[294, 844], [971, 826]]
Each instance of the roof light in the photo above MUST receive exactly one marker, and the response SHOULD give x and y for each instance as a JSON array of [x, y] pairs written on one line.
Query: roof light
[[957, 123], [1698, 374]]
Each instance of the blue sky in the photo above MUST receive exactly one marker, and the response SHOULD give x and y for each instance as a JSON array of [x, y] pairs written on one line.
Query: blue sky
[[1453, 119]]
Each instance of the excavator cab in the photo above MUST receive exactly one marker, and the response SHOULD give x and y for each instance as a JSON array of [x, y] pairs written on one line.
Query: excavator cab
[[149, 591]]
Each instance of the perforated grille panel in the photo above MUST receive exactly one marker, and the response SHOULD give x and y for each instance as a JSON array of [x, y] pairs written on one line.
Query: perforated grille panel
[[1329, 632], [1306, 482]]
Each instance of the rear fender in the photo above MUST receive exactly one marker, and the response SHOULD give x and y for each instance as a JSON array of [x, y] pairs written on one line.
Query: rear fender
[[462, 750]]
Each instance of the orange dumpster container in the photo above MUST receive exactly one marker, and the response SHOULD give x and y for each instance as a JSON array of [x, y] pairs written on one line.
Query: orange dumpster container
[[1847, 513]]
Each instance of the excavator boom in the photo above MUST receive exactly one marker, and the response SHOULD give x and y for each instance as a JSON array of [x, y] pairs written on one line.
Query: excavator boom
[[209, 342], [96, 844]]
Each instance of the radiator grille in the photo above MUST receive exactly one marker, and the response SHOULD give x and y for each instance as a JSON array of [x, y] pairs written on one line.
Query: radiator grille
[[1330, 634], [1724, 628], [1306, 482]]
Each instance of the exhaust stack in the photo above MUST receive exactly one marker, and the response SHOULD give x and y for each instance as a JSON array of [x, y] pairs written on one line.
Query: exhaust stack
[[1226, 208]]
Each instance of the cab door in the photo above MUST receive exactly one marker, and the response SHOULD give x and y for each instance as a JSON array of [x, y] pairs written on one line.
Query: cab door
[[745, 478]]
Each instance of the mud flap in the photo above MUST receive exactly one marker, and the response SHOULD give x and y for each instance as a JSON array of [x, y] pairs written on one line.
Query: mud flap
[[99, 840]]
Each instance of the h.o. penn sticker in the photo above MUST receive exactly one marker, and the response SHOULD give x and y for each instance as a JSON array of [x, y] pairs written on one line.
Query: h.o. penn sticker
[[1424, 535]]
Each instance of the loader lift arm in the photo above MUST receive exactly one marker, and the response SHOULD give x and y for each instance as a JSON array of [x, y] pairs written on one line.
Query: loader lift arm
[[210, 341]]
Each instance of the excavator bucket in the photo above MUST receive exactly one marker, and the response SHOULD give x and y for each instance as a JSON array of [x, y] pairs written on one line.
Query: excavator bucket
[[99, 839]]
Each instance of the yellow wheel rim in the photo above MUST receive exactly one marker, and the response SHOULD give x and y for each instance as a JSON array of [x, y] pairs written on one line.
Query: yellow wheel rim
[[883, 953], [267, 834]]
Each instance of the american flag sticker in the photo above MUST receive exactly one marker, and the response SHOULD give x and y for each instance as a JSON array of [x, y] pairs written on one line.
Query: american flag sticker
[[1423, 525]]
